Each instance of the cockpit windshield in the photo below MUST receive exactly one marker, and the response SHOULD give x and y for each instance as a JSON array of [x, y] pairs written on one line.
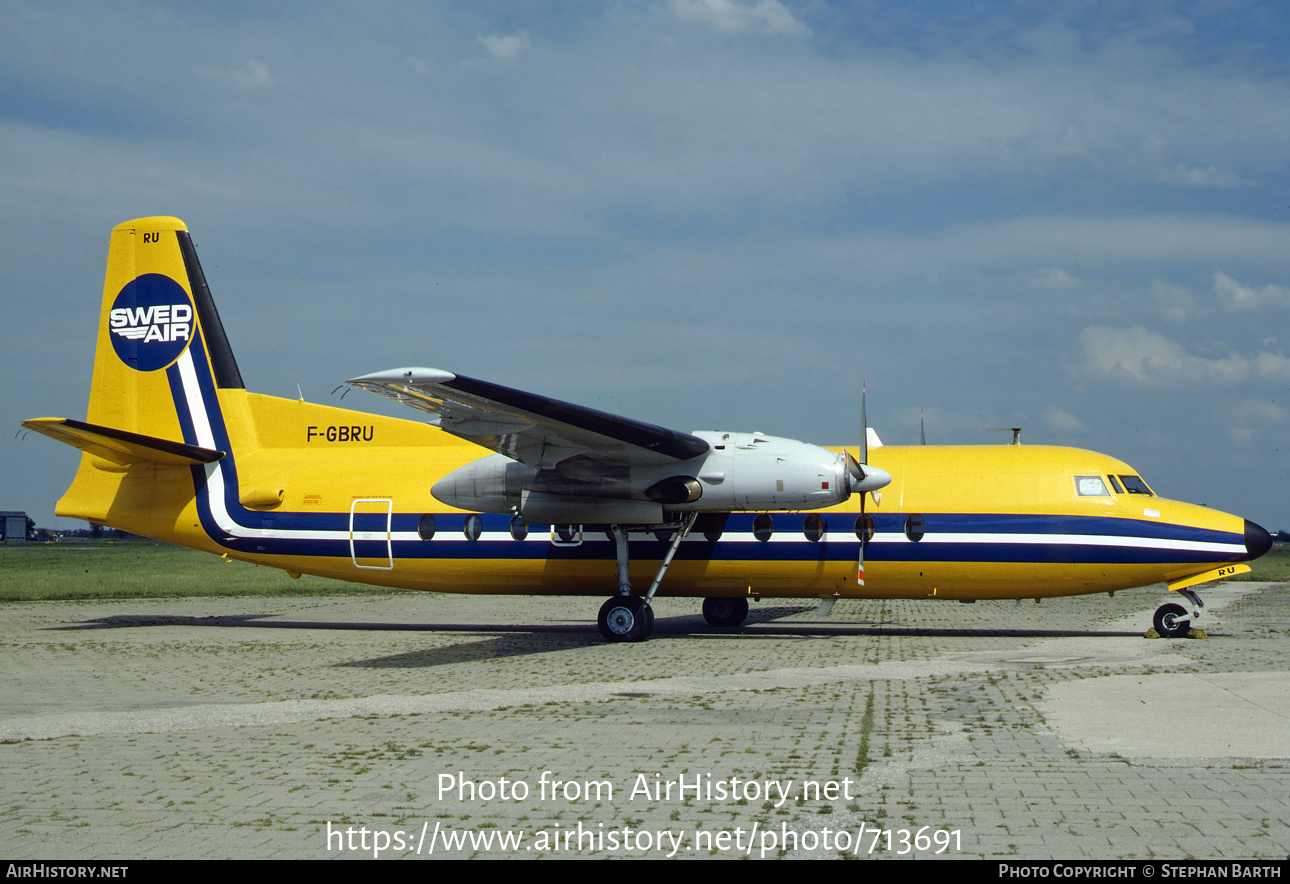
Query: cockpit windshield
[[1134, 485]]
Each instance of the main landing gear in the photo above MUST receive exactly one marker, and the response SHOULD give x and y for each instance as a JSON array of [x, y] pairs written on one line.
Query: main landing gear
[[629, 618], [626, 618], [1172, 621], [725, 612]]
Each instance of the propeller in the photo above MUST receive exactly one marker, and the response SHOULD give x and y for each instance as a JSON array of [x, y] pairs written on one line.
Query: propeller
[[864, 480], [864, 455]]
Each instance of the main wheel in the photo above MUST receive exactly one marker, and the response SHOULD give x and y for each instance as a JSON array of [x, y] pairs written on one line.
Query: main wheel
[[725, 611], [625, 618], [1171, 621]]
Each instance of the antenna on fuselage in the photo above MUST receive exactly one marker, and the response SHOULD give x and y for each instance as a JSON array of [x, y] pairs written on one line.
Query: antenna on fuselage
[[1016, 433]]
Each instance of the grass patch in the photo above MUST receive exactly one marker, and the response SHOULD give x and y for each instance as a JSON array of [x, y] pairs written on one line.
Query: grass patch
[[135, 569], [1273, 566]]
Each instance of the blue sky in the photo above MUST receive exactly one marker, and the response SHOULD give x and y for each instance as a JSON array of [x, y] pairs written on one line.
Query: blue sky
[[709, 214]]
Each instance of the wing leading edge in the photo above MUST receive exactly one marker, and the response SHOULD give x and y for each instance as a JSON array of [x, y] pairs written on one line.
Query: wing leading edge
[[537, 431]]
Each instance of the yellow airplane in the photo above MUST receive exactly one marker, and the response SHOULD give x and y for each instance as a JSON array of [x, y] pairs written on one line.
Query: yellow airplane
[[176, 448]]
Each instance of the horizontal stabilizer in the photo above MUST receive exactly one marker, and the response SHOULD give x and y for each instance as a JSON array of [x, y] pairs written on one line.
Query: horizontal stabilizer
[[119, 446]]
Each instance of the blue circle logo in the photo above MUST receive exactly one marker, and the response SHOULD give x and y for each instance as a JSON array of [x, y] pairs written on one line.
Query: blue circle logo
[[151, 322]]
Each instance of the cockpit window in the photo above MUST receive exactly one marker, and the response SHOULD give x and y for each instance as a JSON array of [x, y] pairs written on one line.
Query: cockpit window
[[1091, 486], [1115, 483], [1134, 485]]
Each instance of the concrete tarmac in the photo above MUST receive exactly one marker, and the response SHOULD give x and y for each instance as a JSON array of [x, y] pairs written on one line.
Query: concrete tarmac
[[418, 725]]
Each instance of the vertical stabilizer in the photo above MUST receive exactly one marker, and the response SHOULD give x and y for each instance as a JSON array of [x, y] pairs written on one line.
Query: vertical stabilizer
[[155, 305], [155, 428]]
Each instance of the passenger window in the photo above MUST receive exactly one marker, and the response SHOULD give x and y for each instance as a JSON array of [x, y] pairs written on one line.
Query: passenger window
[[813, 527], [473, 526], [425, 527], [519, 530], [864, 527], [1091, 486], [915, 527], [763, 527]]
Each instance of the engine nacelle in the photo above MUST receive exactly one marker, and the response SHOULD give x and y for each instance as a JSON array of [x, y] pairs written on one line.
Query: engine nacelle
[[752, 471], [740, 471]]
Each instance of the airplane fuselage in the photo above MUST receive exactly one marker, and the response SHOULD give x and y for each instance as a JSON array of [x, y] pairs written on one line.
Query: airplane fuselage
[[339, 494]]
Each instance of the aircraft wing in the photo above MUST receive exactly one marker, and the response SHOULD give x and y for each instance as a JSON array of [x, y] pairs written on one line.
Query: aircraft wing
[[534, 430]]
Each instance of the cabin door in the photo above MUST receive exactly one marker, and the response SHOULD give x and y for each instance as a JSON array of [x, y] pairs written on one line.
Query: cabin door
[[370, 544]]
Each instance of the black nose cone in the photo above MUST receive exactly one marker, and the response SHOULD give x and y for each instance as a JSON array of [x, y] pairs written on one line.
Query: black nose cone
[[1257, 541]]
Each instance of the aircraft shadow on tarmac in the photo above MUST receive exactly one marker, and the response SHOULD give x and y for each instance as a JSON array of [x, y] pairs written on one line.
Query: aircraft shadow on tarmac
[[512, 639]]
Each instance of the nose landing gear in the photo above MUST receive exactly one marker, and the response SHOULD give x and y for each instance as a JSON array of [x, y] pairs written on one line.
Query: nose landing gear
[[1172, 620]]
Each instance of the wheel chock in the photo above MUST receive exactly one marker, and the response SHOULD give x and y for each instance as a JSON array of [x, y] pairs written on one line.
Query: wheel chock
[[1191, 633]]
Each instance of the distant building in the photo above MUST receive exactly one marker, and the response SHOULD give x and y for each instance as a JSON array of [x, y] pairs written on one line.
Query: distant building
[[15, 526]]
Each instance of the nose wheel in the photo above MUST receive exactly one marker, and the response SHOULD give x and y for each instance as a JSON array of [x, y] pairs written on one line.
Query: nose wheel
[[1173, 620]]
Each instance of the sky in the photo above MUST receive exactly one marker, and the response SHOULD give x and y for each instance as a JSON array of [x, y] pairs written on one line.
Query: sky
[[706, 214]]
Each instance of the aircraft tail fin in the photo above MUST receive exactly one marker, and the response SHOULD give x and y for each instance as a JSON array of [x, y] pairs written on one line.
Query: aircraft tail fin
[[166, 394], [157, 310]]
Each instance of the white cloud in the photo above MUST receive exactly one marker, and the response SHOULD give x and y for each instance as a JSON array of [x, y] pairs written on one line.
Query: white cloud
[[1273, 366], [1141, 357], [1194, 176], [1235, 297], [1250, 418], [506, 48], [1056, 278], [1259, 412], [253, 75], [1062, 423], [732, 17], [1174, 302]]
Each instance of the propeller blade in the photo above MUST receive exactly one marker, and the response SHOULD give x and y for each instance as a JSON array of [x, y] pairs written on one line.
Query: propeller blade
[[864, 423], [864, 539], [864, 456], [855, 469]]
